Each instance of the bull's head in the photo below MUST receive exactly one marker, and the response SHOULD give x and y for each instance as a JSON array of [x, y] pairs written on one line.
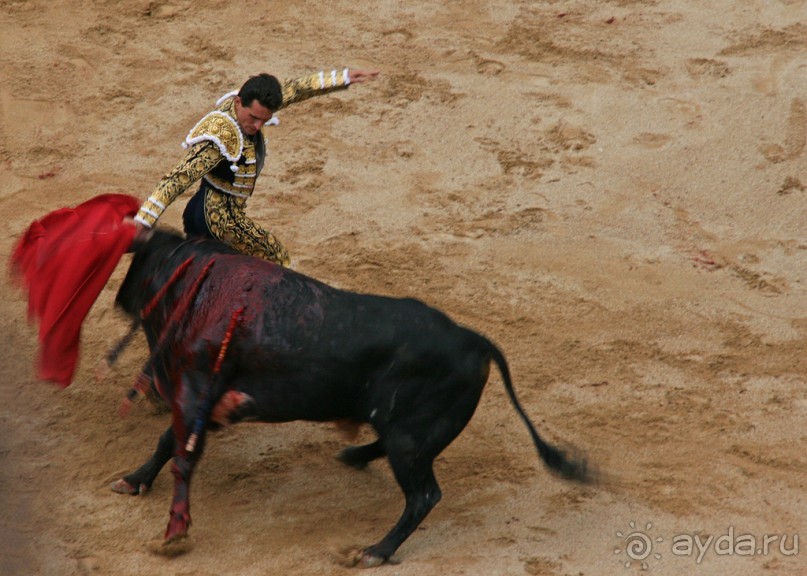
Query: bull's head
[[147, 270]]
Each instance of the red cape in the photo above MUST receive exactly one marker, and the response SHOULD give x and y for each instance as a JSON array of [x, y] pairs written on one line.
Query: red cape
[[64, 260]]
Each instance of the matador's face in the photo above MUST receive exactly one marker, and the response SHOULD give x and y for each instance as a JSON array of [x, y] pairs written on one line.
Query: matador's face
[[251, 118]]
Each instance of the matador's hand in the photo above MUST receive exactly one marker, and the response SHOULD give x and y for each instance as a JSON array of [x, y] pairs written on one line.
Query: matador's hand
[[359, 76], [142, 235]]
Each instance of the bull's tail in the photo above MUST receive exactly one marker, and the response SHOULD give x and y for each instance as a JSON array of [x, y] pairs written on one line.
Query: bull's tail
[[555, 459]]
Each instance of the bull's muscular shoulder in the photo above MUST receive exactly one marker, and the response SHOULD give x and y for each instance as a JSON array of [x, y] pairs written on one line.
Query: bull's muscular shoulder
[[221, 129]]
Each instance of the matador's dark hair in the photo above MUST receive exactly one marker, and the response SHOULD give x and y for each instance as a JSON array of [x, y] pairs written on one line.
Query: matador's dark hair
[[264, 88]]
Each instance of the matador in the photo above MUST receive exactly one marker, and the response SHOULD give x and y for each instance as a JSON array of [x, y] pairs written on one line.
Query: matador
[[226, 149]]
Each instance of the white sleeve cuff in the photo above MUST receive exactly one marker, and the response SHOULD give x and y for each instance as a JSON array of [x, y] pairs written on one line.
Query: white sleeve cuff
[[141, 221], [156, 202]]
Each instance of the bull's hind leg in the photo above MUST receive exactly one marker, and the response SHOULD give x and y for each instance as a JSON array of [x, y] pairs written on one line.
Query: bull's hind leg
[[360, 456], [140, 480], [413, 442], [422, 493], [411, 456]]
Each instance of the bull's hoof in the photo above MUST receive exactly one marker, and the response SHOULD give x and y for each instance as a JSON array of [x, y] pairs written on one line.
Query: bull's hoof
[[360, 558], [176, 546], [123, 487], [370, 561]]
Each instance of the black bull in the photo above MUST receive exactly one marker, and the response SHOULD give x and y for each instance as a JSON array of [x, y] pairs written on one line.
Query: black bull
[[235, 338]]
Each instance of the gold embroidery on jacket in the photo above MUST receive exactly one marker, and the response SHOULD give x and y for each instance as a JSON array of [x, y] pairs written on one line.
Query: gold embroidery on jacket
[[306, 87], [227, 221], [244, 177], [221, 129], [198, 161]]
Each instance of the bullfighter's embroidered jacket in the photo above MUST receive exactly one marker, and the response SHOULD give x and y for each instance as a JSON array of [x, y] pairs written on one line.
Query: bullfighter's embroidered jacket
[[228, 163]]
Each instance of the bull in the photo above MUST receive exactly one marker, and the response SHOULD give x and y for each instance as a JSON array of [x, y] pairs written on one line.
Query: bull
[[233, 338]]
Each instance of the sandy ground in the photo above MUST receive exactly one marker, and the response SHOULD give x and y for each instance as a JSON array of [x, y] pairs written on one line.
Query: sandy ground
[[615, 192]]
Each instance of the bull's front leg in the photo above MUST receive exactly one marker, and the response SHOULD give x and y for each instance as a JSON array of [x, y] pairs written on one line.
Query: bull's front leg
[[182, 468], [180, 514]]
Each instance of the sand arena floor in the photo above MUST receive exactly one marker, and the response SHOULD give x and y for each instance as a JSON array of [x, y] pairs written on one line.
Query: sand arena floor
[[614, 192]]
